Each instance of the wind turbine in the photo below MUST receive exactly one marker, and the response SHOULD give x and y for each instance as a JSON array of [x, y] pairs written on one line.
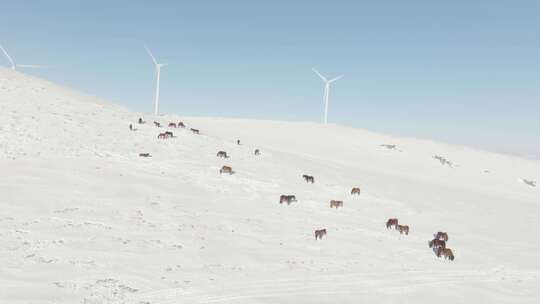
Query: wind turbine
[[158, 72], [326, 92], [15, 65]]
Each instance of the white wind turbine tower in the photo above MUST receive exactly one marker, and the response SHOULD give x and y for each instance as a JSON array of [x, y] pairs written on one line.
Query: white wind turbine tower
[[158, 72], [15, 65], [326, 92]]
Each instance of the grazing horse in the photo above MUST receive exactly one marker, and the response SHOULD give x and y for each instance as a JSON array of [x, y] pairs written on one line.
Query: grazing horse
[[336, 204], [172, 125], [446, 252], [436, 243], [226, 169], [162, 135], [181, 124], [141, 121], [441, 236], [195, 131], [308, 178], [222, 154], [392, 222], [287, 199], [145, 155], [355, 190], [403, 229], [257, 152], [320, 233], [169, 134], [157, 124]]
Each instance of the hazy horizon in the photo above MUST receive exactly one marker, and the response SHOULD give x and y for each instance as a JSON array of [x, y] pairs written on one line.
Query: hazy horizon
[[462, 73]]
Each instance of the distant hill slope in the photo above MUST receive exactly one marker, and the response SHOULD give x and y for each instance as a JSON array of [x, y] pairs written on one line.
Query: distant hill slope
[[84, 219]]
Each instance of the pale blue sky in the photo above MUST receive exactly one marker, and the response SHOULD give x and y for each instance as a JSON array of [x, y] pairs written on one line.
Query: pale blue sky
[[463, 72]]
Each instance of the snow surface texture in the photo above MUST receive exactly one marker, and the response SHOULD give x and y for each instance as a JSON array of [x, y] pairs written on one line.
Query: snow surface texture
[[84, 219]]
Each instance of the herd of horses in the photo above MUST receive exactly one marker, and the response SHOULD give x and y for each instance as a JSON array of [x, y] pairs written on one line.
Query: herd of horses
[[438, 243]]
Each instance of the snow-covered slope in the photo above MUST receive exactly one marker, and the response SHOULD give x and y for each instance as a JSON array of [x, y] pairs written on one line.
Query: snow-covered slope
[[84, 219]]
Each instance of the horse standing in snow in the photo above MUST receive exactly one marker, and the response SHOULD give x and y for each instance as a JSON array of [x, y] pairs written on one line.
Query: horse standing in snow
[[222, 154], [441, 236], [257, 152], [336, 204], [355, 190], [157, 124], [287, 199], [320, 233], [403, 229], [436, 243], [172, 125], [308, 178], [446, 253], [181, 124], [392, 222], [226, 169], [195, 131]]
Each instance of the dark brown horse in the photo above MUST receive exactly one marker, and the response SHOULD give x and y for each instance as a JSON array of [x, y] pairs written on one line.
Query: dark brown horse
[[320, 233], [392, 222], [436, 243], [195, 131], [257, 152], [441, 236], [287, 199], [172, 125], [157, 124], [308, 178], [181, 124], [222, 154], [145, 155]]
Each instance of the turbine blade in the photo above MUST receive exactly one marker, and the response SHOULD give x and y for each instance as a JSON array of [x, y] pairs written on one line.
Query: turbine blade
[[150, 53], [334, 79], [319, 74], [32, 66], [8, 57]]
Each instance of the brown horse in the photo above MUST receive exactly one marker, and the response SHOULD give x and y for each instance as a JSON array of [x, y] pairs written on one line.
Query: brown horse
[[287, 199], [195, 131], [145, 155], [403, 229], [162, 135], [446, 253], [392, 222], [355, 191], [222, 154], [181, 124], [226, 169], [257, 152], [336, 204], [441, 236], [320, 233], [308, 178], [436, 243], [172, 125], [169, 134]]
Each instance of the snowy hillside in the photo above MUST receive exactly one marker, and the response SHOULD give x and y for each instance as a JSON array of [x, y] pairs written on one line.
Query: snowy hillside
[[85, 219]]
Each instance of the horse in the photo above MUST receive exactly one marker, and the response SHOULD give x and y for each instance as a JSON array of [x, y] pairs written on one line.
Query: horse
[[403, 229], [181, 124], [172, 125], [392, 222], [446, 252], [287, 199], [169, 134], [441, 236], [195, 131], [162, 135], [336, 204], [226, 169], [320, 233], [308, 178], [157, 124], [222, 154], [145, 155], [257, 152], [238, 141], [436, 243], [141, 121], [355, 190]]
